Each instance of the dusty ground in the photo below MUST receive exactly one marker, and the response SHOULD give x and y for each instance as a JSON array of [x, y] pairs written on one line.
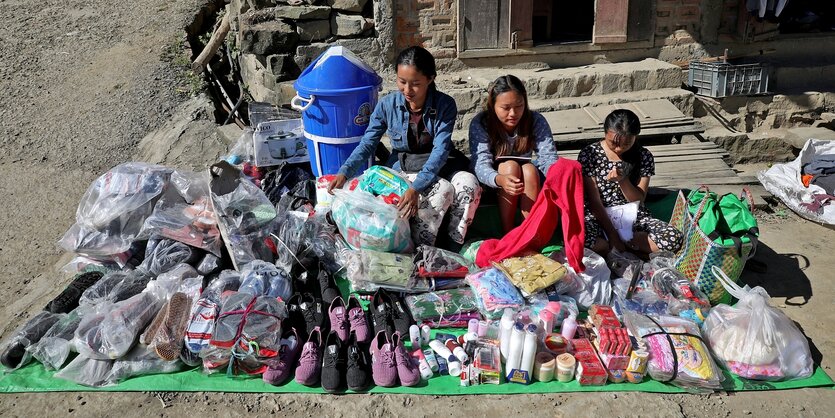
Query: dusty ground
[[83, 81]]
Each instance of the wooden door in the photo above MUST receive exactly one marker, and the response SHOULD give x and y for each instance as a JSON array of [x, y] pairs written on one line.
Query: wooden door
[[611, 18], [485, 24]]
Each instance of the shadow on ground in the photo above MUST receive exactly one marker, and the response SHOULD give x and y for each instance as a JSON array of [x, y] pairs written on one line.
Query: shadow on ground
[[781, 275]]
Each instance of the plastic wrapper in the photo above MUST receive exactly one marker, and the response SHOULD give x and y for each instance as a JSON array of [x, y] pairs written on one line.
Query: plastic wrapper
[[624, 264], [494, 292], [184, 213], [444, 308], [262, 278], [210, 264], [369, 223], [281, 181], [167, 254], [83, 264], [302, 198], [165, 335], [140, 361], [470, 250], [293, 237], [54, 348], [436, 262], [227, 280], [370, 270], [86, 371], [245, 215], [242, 151], [755, 340], [677, 353], [683, 297], [384, 182], [531, 273], [596, 277], [115, 287], [247, 331], [114, 208], [13, 353]]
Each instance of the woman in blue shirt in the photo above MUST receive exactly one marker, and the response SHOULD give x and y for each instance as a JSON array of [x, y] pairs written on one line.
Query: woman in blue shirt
[[503, 140], [418, 119]]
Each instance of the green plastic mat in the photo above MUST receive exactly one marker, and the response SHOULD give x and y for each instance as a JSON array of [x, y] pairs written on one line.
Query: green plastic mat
[[34, 378]]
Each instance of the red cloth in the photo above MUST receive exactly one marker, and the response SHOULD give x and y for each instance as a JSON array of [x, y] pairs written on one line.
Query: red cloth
[[562, 194]]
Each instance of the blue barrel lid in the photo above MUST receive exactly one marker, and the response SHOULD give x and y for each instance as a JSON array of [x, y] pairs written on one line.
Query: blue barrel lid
[[336, 71]]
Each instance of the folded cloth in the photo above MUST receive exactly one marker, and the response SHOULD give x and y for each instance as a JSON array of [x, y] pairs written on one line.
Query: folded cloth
[[561, 194], [532, 273], [494, 292], [442, 305]]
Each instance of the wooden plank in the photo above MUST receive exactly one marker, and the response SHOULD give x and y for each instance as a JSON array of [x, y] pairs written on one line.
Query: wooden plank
[[503, 35], [481, 26], [521, 21], [671, 131], [610, 21], [695, 182]]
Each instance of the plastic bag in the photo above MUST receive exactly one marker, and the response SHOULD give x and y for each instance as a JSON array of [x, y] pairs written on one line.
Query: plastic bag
[[242, 150], [370, 270], [436, 262], [13, 354], [165, 335], [532, 273], [262, 278], [676, 351], [210, 264], [292, 237], [624, 264], [115, 287], [494, 292], [598, 286], [444, 308], [140, 361], [753, 339], [114, 208], [86, 371], [54, 348], [369, 223], [184, 213], [245, 215], [384, 182], [166, 254]]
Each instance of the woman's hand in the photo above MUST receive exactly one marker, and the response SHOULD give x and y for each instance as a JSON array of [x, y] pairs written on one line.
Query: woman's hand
[[510, 184], [616, 174], [337, 182], [408, 205]]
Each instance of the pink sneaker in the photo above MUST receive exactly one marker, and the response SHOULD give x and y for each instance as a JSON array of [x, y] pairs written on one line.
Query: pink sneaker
[[406, 369], [339, 318], [310, 364], [358, 320], [383, 368], [279, 368]]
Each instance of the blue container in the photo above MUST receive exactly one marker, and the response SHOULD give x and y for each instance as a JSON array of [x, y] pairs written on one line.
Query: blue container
[[336, 94]]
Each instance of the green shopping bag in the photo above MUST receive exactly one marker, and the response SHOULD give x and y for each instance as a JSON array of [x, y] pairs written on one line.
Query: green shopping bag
[[718, 231]]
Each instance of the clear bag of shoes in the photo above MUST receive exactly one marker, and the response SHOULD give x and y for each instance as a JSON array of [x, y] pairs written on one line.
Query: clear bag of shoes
[[55, 347], [13, 353], [114, 208]]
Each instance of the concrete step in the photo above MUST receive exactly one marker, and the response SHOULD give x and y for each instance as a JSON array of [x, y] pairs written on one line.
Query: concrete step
[[682, 99]]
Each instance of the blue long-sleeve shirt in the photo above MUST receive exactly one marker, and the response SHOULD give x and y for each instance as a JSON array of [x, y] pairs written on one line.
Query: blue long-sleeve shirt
[[391, 117], [483, 159]]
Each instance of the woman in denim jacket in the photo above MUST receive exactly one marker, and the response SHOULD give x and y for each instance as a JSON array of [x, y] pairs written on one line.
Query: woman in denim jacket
[[418, 119]]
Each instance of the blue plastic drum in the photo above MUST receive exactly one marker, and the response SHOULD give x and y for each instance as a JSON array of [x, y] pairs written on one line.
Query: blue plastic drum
[[336, 94]]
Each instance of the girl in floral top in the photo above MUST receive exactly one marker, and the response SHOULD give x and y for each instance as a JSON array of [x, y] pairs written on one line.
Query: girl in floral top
[[616, 171]]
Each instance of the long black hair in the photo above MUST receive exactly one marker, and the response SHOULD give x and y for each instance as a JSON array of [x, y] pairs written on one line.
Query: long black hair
[[626, 122], [495, 131], [421, 59]]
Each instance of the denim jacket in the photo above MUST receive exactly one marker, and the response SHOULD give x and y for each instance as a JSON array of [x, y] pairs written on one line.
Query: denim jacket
[[391, 117]]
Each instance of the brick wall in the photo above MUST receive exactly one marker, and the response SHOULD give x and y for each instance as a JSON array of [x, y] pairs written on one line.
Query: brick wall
[[672, 15], [428, 23]]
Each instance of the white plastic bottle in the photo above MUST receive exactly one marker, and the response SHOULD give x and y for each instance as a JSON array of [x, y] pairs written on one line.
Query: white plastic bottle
[[569, 327], [514, 354], [529, 349], [506, 326]]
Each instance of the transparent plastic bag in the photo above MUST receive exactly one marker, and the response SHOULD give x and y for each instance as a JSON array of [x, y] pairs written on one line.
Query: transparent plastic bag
[[262, 278], [292, 236], [227, 280], [167, 254], [140, 361], [384, 182], [369, 223], [677, 353], [54, 348], [245, 216], [494, 292], [114, 208], [242, 151], [596, 277], [624, 264], [370, 270], [13, 353], [753, 339], [183, 213], [86, 371]]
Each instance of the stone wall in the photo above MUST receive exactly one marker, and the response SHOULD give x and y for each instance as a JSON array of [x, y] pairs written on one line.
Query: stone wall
[[276, 39], [429, 23]]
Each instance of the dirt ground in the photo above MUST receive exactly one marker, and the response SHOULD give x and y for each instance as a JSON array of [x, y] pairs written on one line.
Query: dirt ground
[[83, 82]]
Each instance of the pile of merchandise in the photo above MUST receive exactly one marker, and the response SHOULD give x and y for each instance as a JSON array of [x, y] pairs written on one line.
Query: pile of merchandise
[[248, 270]]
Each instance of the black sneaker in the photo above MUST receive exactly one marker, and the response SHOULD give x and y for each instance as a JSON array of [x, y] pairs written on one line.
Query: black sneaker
[[333, 365], [295, 317], [314, 313], [381, 314], [358, 375], [67, 300], [327, 285], [401, 318], [14, 352]]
